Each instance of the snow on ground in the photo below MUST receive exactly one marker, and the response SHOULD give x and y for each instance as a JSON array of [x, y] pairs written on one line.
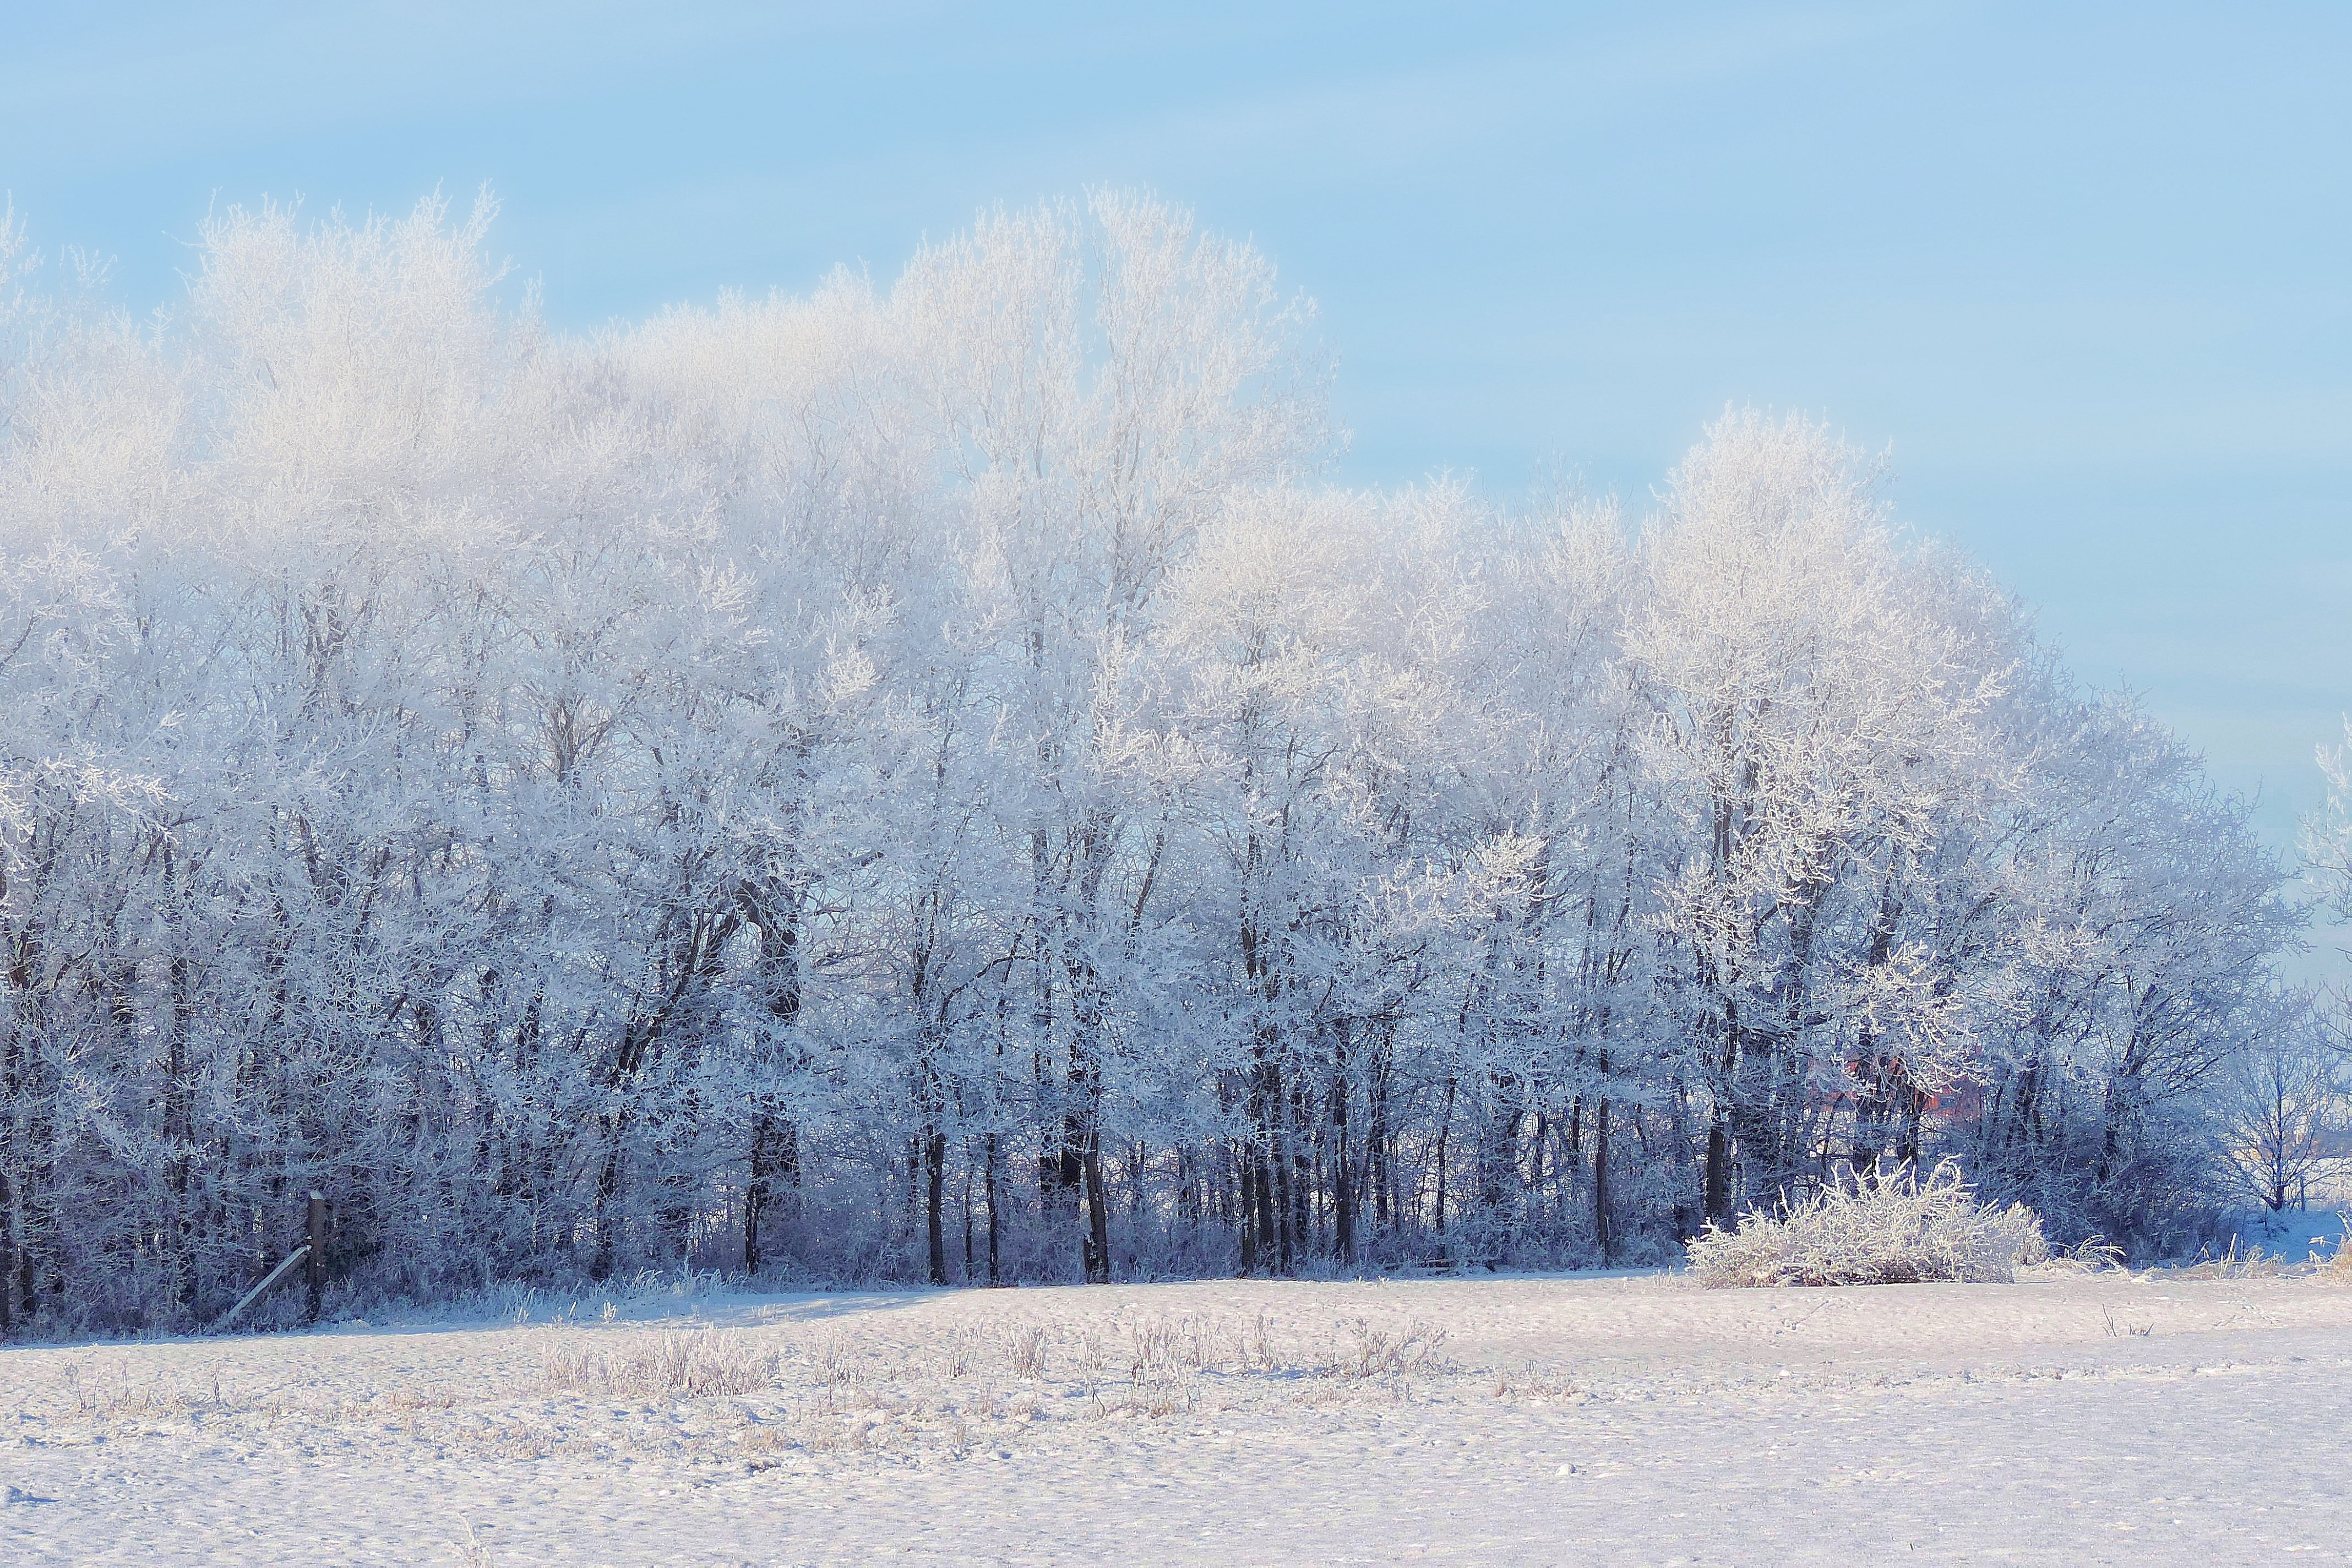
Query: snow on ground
[[1501, 1421], [2294, 1235]]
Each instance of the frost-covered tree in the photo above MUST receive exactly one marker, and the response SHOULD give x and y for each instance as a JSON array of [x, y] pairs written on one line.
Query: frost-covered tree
[[2283, 1103], [926, 781]]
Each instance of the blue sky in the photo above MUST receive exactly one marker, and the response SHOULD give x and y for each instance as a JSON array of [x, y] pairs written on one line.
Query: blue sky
[[2085, 270]]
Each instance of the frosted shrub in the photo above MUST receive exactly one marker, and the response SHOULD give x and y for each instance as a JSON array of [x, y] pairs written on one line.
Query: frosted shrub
[[1888, 1228], [1370, 1349]]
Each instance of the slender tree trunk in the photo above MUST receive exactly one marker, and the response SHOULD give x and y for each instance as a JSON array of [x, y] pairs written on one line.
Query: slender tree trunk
[[1264, 1210], [1719, 1123], [994, 1276], [1343, 1173], [608, 1184], [1601, 1181], [179, 1135], [1097, 1249], [1444, 1135], [935, 1175], [1248, 1216], [967, 1210], [1302, 1171], [1719, 1171], [8, 1253], [756, 1191]]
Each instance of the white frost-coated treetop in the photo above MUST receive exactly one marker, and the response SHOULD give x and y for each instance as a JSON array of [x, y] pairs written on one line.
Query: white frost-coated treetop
[[929, 782]]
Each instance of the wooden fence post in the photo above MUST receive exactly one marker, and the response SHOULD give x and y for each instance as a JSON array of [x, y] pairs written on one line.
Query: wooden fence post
[[316, 1262]]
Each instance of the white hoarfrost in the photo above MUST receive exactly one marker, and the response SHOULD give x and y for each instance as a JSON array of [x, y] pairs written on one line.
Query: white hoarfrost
[[931, 780], [1886, 1227], [1496, 1421]]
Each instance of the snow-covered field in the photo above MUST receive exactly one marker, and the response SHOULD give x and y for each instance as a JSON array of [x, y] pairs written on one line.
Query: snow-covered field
[[1593, 1420]]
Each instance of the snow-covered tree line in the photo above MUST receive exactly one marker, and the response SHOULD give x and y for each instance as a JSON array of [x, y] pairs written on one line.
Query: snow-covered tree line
[[930, 781]]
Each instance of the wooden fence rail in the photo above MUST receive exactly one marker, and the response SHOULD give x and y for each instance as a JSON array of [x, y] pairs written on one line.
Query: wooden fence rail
[[312, 1252]]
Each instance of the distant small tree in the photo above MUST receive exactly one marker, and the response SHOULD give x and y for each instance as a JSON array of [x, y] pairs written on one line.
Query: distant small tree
[[2281, 1102]]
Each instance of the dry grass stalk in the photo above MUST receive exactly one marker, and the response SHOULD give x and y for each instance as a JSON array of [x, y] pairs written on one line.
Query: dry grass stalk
[[1024, 1351], [2238, 1262], [695, 1365]]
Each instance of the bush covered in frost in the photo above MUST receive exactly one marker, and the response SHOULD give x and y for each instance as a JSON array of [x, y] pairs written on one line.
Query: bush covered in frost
[[1886, 1228]]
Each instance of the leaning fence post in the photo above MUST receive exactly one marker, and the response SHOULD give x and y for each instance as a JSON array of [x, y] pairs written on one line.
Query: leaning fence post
[[317, 1263]]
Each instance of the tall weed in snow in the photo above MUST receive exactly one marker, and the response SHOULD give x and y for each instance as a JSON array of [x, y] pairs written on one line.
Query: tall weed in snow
[[1887, 1228], [2238, 1261], [1366, 1350], [683, 1365]]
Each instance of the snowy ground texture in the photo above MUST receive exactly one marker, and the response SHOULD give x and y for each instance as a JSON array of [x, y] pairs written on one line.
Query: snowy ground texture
[[1596, 1420]]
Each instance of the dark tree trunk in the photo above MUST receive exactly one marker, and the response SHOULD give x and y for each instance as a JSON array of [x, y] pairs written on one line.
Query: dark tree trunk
[[1719, 1171], [1264, 1208], [1343, 1172], [1248, 1216], [1302, 1173], [315, 1265], [1445, 1136], [1601, 1181], [1097, 1246], [967, 1211], [989, 1177], [756, 1191], [935, 1176], [8, 1253]]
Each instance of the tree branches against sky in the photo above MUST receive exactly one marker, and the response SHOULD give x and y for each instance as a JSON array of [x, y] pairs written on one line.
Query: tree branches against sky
[[2079, 269]]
